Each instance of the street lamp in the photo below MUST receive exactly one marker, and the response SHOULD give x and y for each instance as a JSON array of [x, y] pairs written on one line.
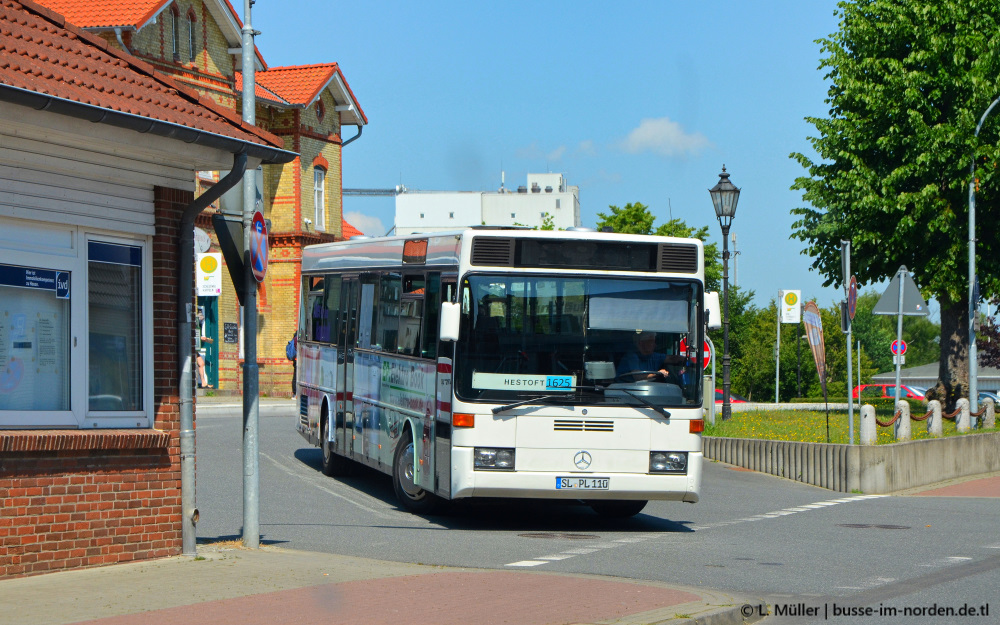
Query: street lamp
[[725, 195], [973, 295]]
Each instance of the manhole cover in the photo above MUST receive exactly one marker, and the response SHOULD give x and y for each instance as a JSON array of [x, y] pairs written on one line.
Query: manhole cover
[[873, 526], [560, 536]]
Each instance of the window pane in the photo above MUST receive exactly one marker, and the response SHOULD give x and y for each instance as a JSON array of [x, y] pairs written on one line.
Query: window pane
[[319, 198], [115, 312], [387, 326], [411, 312], [34, 339]]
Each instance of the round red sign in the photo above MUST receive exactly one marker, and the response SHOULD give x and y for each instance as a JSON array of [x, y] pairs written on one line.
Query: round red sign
[[706, 356]]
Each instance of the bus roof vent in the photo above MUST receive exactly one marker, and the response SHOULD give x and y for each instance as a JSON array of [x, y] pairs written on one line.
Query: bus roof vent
[[678, 258], [495, 251]]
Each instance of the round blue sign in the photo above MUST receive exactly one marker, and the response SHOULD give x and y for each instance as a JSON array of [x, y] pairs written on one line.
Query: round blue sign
[[258, 246]]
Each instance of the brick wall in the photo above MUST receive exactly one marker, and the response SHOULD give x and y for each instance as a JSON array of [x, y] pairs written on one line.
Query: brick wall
[[72, 499]]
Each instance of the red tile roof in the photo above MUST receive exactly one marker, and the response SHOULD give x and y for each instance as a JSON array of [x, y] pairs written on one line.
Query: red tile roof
[[107, 13], [301, 84], [260, 92], [347, 230], [41, 52]]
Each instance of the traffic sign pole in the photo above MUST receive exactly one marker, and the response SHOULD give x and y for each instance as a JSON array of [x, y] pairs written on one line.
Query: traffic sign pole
[[852, 299]]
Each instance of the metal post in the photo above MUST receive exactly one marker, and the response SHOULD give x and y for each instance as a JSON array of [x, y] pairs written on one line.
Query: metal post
[[899, 331], [777, 349], [798, 361], [726, 407], [251, 459], [973, 355], [845, 248]]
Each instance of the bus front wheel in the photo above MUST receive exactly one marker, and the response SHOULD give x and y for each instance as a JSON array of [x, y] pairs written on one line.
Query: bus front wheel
[[617, 509], [413, 498]]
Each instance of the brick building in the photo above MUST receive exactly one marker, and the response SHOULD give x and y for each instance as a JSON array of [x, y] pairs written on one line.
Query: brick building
[[98, 154], [198, 42]]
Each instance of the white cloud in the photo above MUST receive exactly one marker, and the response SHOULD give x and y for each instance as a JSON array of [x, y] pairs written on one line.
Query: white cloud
[[556, 154], [586, 148], [365, 223], [534, 152], [664, 137]]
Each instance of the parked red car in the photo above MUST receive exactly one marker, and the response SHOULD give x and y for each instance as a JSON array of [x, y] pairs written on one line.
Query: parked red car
[[886, 390], [733, 397]]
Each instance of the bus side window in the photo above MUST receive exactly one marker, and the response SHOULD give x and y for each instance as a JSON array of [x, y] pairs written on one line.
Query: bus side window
[[332, 306], [432, 316], [386, 328], [411, 313], [318, 326]]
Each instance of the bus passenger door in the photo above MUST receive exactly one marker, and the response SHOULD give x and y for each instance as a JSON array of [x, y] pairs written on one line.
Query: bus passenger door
[[345, 365], [441, 290]]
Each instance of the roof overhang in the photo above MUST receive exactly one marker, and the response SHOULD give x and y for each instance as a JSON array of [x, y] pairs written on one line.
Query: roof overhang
[[267, 155]]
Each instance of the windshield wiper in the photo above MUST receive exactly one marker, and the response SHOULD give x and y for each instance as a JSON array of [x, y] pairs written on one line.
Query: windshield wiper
[[643, 400], [596, 387], [530, 400]]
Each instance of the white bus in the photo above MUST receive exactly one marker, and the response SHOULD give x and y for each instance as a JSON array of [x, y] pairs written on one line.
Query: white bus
[[505, 362]]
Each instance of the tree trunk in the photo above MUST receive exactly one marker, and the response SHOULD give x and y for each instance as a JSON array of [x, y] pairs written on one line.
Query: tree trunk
[[953, 371]]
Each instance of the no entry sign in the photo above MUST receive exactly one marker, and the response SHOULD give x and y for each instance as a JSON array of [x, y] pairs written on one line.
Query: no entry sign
[[706, 356], [258, 247]]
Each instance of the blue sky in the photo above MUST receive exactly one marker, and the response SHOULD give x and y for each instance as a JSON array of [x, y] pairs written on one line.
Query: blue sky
[[633, 101]]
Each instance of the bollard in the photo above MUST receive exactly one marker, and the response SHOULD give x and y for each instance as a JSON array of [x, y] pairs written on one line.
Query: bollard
[[934, 421], [962, 422], [990, 416], [869, 431], [902, 427]]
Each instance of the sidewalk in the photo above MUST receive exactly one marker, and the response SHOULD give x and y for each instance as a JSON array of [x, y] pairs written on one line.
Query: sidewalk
[[216, 405], [234, 586]]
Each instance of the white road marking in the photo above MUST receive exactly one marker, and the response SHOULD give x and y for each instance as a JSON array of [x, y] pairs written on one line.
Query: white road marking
[[758, 517], [311, 480], [944, 561]]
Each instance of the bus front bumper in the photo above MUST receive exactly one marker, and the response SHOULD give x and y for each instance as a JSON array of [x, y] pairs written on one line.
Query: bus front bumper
[[568, 485]]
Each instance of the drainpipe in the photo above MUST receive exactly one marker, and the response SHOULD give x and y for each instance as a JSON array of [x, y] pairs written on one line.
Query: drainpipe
[[121, 42], [354, 138], [185, 315]]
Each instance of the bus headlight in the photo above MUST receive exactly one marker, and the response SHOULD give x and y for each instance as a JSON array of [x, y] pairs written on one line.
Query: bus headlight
[[493, 459], [668, 462]]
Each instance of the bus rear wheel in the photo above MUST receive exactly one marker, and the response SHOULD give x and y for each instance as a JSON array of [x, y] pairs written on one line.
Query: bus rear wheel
[[333, 465], [617, 509], [411, 496]]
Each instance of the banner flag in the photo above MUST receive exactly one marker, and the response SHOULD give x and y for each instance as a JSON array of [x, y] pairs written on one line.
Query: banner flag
[[814, 331]]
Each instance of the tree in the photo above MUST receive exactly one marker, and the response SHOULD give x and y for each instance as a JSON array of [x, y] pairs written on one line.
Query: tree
[[909, 82]]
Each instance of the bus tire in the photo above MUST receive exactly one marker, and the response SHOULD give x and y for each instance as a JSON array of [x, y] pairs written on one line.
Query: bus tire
[[618, 509], [411, 496], [334, 465]]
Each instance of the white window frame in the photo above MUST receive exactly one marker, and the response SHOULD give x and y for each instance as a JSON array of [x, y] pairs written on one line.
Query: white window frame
[[74, 259], [191, 51], [175, 35], [319, 197]]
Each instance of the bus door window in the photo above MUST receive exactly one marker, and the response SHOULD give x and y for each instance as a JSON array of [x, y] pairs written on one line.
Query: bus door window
[[331, 297], [431, 317], [317, 326], [366, 312], [386, 330], [411, 312]]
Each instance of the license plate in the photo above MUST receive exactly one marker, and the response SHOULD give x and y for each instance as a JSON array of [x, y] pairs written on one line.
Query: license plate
[[583, 483]]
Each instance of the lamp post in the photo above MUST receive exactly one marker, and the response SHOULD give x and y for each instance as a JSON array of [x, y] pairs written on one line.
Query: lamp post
[[973, 356], [725, 195]]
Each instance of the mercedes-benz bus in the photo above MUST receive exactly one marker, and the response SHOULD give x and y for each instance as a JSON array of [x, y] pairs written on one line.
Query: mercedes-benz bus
[[506, 362]]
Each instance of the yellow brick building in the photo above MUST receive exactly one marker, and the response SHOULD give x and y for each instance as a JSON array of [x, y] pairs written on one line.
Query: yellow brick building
[[198, 42]]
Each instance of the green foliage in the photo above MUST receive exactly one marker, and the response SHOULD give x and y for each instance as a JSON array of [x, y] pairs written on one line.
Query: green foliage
[[548, 223], [909, 83]]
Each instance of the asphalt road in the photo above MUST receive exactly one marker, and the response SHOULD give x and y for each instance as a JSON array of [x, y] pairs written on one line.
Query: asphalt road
[[790, 544]]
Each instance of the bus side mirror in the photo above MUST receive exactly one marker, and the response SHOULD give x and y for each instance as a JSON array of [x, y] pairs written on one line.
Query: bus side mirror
[[713, 314], [451, 316]]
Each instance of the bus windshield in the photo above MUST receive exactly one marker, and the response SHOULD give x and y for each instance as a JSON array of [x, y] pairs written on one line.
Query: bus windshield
[[607, 340]]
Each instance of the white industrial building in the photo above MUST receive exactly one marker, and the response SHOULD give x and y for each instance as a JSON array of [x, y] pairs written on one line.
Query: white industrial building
[[434, 211]]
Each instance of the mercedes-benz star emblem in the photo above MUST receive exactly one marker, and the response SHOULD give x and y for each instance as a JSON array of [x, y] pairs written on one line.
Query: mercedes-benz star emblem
[[582, 459]]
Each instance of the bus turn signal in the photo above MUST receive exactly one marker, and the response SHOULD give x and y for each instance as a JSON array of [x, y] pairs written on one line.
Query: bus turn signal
[[463, 420]]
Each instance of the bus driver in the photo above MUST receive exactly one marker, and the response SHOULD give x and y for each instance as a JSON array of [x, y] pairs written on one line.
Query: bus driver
[[645, 363]]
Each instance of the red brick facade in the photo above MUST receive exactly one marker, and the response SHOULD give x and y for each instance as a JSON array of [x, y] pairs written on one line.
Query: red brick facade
[[72, 499]]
